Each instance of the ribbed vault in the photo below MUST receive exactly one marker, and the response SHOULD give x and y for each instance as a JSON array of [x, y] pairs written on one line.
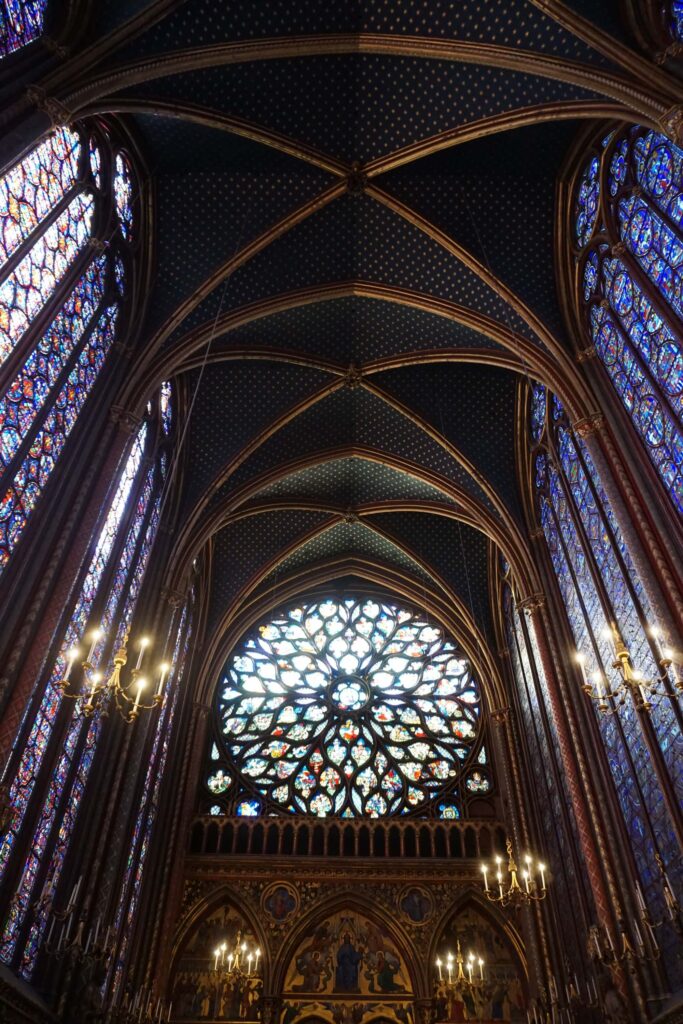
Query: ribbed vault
[[354, 223]]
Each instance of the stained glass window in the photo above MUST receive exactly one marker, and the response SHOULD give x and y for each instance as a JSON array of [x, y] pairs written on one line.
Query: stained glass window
[[21, 21], [630, 275], [599, 585], [60, 306], [348, 707], [120, 557], [677, 19]]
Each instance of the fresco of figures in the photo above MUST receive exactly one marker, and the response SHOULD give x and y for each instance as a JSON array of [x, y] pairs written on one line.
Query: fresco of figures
[[347, 955], [198, 991], [502, 996]]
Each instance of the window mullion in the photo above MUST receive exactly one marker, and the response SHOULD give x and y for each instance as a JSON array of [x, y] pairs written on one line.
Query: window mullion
[[8, 473], [598, 657], [25, 247]]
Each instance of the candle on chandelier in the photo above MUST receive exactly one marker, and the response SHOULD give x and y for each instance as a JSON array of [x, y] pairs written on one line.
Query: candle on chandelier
[[581, 661], [481, 969], [230, 959], [144, 643], [438, 967], [96, 635], [258, 954], [163, 669], [484, 872], [249, 960], [142, 683], [94, 683], [597, 680], [469, 970], [541, 868], [71, 656], [449, 967]]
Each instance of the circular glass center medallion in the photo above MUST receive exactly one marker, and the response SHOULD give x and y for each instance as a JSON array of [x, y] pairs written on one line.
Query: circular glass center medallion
[[350, 693]]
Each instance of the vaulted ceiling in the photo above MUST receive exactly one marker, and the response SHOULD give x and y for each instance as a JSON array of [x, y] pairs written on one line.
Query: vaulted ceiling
[[354, 222]]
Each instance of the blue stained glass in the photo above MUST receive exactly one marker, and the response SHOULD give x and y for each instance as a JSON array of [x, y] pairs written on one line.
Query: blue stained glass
[[587, 201], [656, 246], [21, 22], [23, 492], [538, 407], [248, 809], [41, 730], [677, 20], [637, 787], [350, 705], [634, 335], [55, 795], [31, 386]]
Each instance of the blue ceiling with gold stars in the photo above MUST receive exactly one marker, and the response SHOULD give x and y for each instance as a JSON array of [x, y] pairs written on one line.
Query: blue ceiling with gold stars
[[354, 208]]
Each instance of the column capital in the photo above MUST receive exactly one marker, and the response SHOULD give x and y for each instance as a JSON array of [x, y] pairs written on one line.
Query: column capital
[[126, 420], [532, 603], [589, 425], [50, 105], [500, 715]]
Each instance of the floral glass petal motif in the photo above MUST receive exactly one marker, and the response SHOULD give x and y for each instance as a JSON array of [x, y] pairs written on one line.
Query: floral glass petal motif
[[350, 707], [633, 290], [21, 22]]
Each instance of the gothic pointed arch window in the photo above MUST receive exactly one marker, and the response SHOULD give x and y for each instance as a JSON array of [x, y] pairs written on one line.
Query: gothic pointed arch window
[[21, 22], [600, 585], [347, 707], [56, 745], [628, 235], [66, 226]]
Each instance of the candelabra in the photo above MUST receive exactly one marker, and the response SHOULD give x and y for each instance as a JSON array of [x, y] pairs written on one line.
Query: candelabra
[[95, 948], [602, 949], [456, 978], [98, 693], [611, 697], [142, 1009], [511, 892], [673, 918], [233, 963]]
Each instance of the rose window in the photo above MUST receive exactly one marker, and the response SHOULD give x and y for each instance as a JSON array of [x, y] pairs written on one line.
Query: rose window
[[350, 707]]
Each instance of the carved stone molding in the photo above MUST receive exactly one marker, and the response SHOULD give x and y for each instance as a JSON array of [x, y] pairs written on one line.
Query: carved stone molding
[[588, 425], [671, 123], [54, 108], [173, 597], [356, 180], [586, 353], [351, 517], [52, 46], [353, 377], [532, 603], [500, 715], [125, 419], [674, 49]]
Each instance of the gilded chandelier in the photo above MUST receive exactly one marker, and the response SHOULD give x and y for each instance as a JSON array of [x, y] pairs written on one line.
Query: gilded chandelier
[[99, 694], [461, 975], [610, 698], [242, 962], [508, 891]]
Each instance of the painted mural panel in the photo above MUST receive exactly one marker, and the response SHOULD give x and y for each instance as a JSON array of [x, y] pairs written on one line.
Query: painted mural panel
[[348, 955], [201, 993], [338, 1011], [502, 996]]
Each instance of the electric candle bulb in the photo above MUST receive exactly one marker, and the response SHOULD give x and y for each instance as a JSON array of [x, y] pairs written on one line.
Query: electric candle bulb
[[481, 968], [541, 868], [71, 656], [143, 644], [96, 635], [142, 683], [163, 669]]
